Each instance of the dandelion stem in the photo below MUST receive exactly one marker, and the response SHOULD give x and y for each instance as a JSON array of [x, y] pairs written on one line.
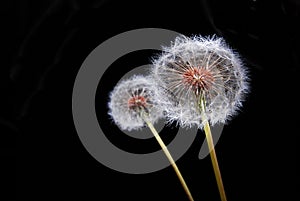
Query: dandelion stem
[[170, 158], [213, 155]]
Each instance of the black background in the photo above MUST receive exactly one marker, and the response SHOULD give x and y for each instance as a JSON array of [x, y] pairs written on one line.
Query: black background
[[44, 45]]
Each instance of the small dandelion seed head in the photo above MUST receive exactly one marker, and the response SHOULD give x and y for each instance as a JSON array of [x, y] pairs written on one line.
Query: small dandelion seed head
[[200, 68], [131, 97]]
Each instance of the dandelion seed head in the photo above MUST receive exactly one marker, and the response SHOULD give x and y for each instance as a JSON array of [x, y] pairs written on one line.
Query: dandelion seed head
[[131, 97], [200, 68]]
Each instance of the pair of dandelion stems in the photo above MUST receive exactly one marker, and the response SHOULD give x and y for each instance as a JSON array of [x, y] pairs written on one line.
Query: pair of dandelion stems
[[212, 152], [197, 81], [167, 153]]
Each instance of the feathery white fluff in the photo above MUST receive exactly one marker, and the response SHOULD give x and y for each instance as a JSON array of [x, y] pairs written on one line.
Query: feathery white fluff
[[225, 80], [122, 107]]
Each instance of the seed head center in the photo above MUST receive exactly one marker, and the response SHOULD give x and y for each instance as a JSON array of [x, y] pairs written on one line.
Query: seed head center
[[198, 78], [137, 102]]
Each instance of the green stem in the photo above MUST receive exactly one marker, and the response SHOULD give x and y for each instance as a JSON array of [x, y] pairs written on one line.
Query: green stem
[[167, 153], [212, 153]]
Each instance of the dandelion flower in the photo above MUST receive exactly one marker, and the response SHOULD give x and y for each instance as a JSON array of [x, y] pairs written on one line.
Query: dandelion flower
[[131, 97], [195, 69], [133, 103], [204, 83]]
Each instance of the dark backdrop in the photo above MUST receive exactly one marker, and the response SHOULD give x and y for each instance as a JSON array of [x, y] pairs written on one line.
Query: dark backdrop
[[43, 47]]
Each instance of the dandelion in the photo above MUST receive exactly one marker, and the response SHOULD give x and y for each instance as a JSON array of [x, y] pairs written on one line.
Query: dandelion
[[133, 104], [206, 69], [204, 83], [132, 97]]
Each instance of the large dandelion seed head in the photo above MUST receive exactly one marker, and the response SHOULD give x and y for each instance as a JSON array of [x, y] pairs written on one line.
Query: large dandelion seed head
[[130, 98], [200, 69]]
